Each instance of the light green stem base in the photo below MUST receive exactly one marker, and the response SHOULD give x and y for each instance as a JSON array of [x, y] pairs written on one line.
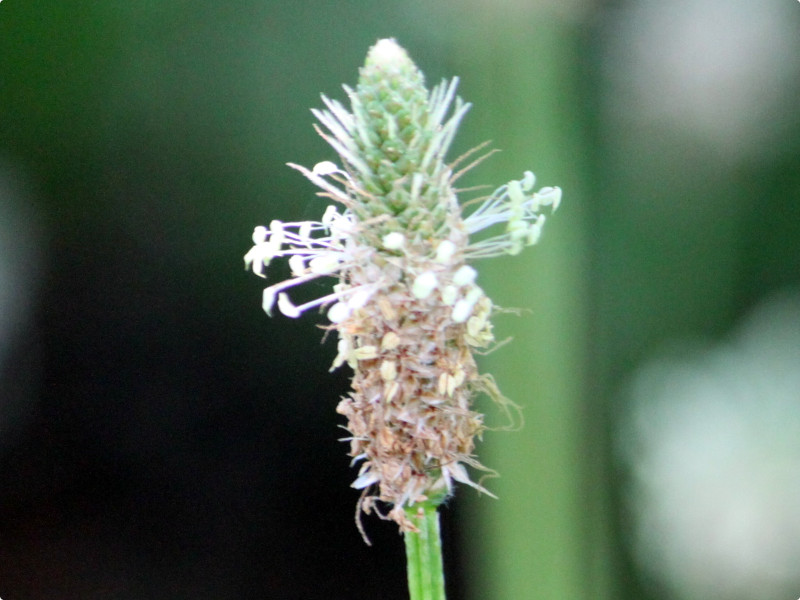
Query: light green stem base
[[424, 554]]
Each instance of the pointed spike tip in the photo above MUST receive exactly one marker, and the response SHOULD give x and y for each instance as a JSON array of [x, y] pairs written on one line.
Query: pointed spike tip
[[388, 54]]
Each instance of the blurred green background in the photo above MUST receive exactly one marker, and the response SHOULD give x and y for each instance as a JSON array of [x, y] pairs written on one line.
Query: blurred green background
[[161, 438]]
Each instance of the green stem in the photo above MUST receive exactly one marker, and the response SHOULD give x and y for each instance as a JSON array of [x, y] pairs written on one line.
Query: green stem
[[424, 554]]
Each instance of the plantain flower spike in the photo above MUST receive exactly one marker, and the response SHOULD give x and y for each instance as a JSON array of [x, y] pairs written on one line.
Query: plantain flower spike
[[405, 303]]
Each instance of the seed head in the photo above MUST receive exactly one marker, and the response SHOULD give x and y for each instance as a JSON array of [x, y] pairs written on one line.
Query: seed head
[[405, 305]]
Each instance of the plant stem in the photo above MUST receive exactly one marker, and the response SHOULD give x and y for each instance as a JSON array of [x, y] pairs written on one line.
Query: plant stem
[[424, 554]]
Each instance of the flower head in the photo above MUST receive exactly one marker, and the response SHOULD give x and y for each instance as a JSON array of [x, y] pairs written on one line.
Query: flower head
[[405, 304]]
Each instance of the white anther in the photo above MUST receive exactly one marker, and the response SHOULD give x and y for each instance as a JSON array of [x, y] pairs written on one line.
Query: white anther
[[449, 295], [329, 215], [325, 167], [388, 54], [535, 231], [474, 295], [445, 251], [462, 310], [257, 258], [424, 284], [550, 196], [359, 298], [276, 236], [528, 181], [465, 275], [286, 307], [342, 353], [515, 193], [517, 227], [324, 264], [394, 240], [268, 300], [338, 312], [297, 265], [259, 234]]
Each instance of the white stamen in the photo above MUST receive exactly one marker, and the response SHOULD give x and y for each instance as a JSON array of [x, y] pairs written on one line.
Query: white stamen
[[474, 295], [462, 310], [445, 251], [297, 265], [528, 181], [286, 307], [424, 284], [338, 312], [394, 240], [359, 298], [268, 300], [535, 231], [325, 264], [388, 54], [277, 236], [465, 275], [515, 193], [256, 258], [329, 215], [550, 196], [259, 234], [304, 231], [449, 295]]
